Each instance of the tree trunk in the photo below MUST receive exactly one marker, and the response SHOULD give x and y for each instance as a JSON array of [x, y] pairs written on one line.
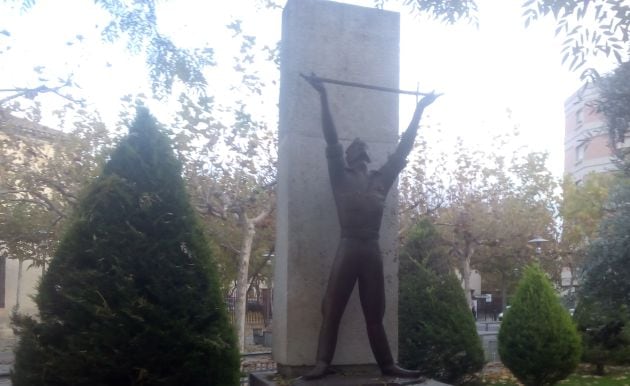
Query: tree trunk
[[503, 293], [18, 290], [466, 277], [249, 231], [467, 254]]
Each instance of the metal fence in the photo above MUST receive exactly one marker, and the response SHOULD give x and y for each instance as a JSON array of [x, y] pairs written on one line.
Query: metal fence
[[259, 310]]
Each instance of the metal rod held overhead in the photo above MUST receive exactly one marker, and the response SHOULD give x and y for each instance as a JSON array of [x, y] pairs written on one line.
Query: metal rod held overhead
[[366, 86]]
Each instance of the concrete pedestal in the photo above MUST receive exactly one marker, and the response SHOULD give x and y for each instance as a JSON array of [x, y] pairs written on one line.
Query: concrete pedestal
[[354, 44], [271, 379]]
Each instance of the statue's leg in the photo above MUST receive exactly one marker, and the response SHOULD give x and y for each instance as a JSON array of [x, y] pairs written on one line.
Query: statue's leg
[[343, 275], [372, 294]]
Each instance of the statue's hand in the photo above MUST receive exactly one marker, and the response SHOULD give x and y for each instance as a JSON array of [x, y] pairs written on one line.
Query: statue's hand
[[428, 99], [315, 82]]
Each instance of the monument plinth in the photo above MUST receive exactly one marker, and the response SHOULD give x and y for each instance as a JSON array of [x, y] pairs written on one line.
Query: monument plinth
[[271, 379], [359, 45]]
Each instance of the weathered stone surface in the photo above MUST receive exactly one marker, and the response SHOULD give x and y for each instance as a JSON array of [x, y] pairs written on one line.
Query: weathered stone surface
[[354, 44]]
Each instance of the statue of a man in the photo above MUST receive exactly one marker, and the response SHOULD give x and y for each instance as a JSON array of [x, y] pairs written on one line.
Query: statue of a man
[[360, 198]]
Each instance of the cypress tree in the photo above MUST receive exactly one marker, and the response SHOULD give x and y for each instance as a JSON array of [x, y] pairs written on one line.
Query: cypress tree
[[538, 341], [131, 295], [437, 332]]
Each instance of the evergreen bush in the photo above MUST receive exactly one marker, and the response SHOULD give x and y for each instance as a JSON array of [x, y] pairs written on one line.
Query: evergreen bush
[[605, 333], [603, 311], [538, 341], [131, 295], [437, 332]]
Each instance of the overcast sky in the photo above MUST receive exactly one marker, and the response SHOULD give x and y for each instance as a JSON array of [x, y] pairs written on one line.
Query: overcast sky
[[493, 78]]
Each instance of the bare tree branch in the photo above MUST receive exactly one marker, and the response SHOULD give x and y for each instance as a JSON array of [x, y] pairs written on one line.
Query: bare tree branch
[[31, 93], [230, 248], [51, 206], [59, 188]]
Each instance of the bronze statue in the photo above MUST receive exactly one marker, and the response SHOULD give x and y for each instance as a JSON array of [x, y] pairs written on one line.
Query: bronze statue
[[360, 198]]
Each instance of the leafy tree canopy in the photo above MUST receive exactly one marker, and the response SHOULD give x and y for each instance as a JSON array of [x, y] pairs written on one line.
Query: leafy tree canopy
[[136, 22], [582, 209], [448, 11], [614, 104], [590, 28], [603, 312], [608, 267]]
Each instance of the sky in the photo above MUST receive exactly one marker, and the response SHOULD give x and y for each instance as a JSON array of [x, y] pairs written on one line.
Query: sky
[[494, 77]]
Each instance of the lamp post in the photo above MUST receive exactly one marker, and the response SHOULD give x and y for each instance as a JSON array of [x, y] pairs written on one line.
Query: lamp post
[[537, 241]]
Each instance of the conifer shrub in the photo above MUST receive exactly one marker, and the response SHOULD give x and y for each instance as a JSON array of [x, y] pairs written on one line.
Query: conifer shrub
[[538, 341], [437, 332], [605, 333], [131, 295], [603, 311]]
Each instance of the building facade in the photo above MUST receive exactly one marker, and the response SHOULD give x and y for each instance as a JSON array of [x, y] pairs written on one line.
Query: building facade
[[26, 143], [585, 138]]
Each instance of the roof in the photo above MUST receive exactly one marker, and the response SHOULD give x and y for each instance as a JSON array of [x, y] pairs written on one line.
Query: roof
[[15, 126]]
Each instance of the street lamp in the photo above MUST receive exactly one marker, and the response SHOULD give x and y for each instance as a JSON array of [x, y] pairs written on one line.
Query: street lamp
[[537, 241]]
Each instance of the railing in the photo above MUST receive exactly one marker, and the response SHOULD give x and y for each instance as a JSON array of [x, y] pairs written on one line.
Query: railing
[[259, 311]]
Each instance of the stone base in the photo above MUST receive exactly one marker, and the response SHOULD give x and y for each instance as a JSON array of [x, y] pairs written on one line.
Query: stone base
[[291, 372], [273, 379]]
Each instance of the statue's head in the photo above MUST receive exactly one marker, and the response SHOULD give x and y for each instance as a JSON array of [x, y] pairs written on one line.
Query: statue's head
[[357, 152]]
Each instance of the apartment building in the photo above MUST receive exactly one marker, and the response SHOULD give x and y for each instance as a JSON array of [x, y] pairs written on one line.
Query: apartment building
[[585, 137]]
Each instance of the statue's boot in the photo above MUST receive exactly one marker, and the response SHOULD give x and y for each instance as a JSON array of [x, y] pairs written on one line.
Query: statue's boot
[[396, 371], [383, 354], [320, 370]]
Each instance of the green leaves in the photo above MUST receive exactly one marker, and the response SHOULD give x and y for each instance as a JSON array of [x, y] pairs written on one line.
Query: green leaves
[[603, 312], [436, 329], [132, 291], [449, 11], [614, 104], [136, 21], [591, 28], [538, 342]]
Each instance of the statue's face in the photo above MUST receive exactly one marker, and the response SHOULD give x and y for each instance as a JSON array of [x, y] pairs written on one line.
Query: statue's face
[[357, 153]]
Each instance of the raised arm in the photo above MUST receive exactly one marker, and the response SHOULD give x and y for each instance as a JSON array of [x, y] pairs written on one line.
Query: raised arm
[[328, 126], [409, 136]]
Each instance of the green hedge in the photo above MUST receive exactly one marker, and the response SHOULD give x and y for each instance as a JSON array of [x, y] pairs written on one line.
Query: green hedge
[[131, 296]]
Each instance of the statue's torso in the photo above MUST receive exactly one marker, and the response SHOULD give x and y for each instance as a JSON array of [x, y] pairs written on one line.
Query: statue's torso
[[360, 200], [360, 196]]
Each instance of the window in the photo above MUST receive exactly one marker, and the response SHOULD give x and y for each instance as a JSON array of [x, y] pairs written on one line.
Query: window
[[579, 152], [579, 117]]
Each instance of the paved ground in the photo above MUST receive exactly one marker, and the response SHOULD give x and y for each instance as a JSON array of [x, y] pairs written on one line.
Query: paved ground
[[258, 359], [488, 326], [6, 359]]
